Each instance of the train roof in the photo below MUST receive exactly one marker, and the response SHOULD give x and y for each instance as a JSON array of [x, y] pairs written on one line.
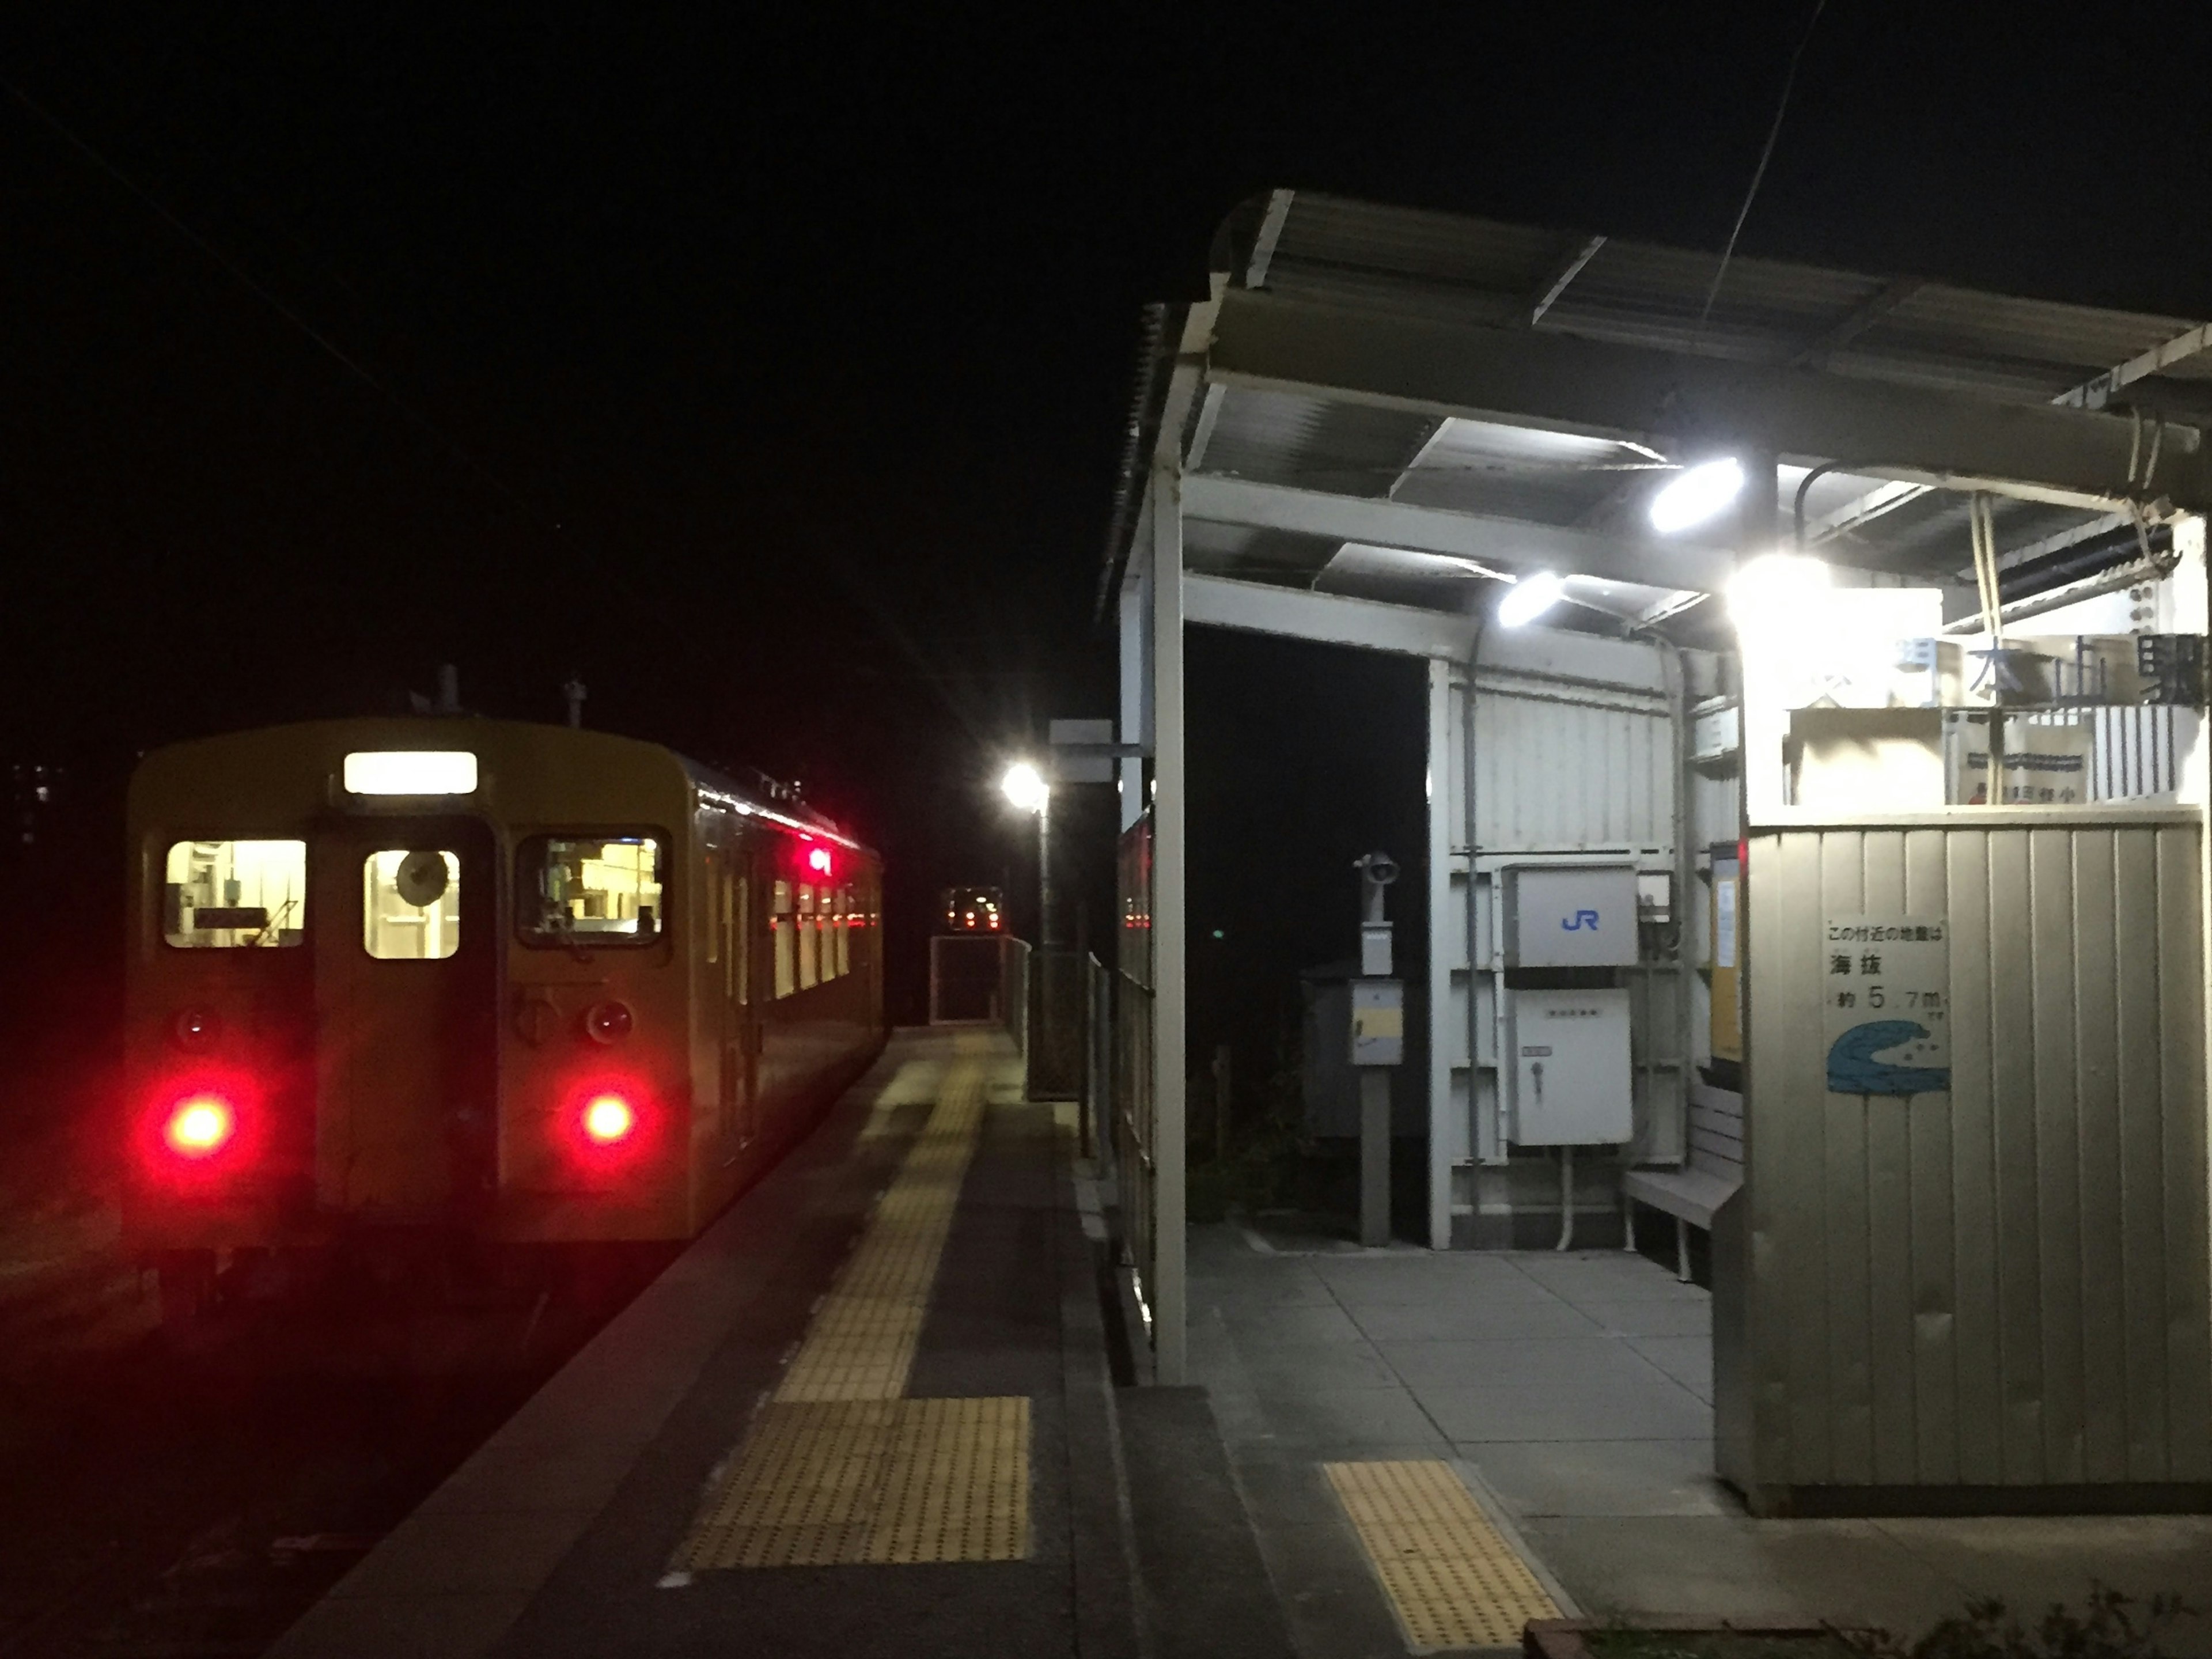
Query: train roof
[[762, 798]]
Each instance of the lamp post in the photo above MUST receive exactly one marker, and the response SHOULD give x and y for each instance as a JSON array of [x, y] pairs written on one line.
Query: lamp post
[[1025, 786]]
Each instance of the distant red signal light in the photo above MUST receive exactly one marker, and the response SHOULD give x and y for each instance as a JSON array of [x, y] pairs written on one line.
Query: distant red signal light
[[199, 1127], [608, 1120], [817, 860]]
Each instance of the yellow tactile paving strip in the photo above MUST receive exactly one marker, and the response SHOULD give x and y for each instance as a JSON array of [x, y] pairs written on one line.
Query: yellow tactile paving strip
[[1454, 1582], [860, 1345], [839, 1467], [888, 1481]]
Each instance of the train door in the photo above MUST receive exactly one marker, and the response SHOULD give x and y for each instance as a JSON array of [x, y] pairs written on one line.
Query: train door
[[740, 1076], [407, 955]]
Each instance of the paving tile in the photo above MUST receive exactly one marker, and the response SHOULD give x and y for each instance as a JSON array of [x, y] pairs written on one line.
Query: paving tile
[[1606, 1275], [1318, 1366], [1289, 1323], [1259, 1287], [2030, 1561], [1734, 1567], [1658, 1411], [1647, 1318], [1549, 1478], [1427, 1280], [1503, 1320], [1343, 1422], [1579, 1361], [1688, 1359]]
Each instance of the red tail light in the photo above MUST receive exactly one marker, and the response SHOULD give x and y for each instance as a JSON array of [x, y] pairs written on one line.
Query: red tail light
[[199, 1127], [608, 1120]]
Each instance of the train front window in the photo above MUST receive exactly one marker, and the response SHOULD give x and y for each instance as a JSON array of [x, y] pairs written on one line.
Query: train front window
[[410, 903], [589, 889], [228, 895]]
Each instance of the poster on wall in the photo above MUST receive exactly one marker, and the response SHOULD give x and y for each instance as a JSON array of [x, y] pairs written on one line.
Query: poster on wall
[[1887, 1012]]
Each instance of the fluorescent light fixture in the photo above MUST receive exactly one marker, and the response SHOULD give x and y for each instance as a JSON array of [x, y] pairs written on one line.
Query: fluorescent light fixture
[[1697, 494], [1025, 786], [410, 772], [1779, 590], [1530, 598]]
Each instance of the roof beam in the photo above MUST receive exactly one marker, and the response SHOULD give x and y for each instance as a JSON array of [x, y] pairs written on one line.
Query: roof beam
[[1858, 319], [1540, 378], [1326, 618], [1515, 543], [2095, 394], [1573, 256], [2090, 395]]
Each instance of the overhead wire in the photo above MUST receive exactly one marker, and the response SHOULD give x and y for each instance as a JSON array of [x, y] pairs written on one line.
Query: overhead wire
[[1766, 155]]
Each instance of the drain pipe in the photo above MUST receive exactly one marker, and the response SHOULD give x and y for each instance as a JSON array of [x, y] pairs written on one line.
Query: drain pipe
[[1566, 1199]]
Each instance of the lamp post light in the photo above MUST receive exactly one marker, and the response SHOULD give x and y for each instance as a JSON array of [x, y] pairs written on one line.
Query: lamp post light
[[1026, 788]]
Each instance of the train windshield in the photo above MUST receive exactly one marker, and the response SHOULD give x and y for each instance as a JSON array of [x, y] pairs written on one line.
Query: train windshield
[[224, 895], [594, 889]]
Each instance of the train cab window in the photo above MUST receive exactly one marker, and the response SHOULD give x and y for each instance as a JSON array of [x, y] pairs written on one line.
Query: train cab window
[[226, 895], [589, 889], [810, 950], [410, 904], [784, 924]]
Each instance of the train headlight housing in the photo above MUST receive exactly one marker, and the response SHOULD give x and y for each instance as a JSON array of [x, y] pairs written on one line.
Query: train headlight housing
[[609, 1022]]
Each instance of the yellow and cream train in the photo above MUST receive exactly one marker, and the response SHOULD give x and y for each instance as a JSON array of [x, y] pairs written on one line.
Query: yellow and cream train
[[476, 978]]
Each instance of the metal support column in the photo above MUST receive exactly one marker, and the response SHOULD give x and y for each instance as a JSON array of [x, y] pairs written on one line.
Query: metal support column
[[1136, 726], [1374, 1157], [1441, 934], [1170, 926]]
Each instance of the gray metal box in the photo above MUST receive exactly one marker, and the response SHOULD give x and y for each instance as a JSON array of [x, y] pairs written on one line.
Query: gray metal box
[[1571, 1068], [1562, 915]]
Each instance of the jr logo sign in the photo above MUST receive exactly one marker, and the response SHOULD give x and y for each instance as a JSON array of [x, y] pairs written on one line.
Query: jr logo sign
[[1582, 920]]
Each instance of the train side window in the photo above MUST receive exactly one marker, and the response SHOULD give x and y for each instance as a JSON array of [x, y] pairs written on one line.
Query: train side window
[[226, 895], [809, 954], [844, 930], [410, 904], [784, 924], [589, 889]]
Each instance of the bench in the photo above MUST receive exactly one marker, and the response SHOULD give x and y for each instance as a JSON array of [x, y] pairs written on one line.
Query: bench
[[1692, 1196]]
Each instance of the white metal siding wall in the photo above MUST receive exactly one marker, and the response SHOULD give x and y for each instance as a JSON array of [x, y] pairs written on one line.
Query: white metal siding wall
[[1559, 771], [1571, 750], [2008, 1286]]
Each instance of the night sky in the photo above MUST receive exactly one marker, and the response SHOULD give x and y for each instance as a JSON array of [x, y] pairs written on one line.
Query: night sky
[[766, 366]]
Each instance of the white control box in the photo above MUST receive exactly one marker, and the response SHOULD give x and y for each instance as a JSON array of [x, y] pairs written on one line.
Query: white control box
[[1570, 915], [1570, 1067]]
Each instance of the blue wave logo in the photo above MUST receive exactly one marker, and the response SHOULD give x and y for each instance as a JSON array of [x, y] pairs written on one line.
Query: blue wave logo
[[1855, 1065]]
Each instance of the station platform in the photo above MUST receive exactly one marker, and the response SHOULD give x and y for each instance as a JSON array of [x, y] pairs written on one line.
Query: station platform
[[869, 1411], [874, 1410]]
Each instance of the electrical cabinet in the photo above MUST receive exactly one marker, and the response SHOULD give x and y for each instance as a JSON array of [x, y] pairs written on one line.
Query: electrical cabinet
[[1562, 915], [1571, 1068]]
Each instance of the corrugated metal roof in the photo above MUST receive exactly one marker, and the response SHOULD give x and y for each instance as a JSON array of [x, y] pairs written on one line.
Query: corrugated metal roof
[[1441, 266]]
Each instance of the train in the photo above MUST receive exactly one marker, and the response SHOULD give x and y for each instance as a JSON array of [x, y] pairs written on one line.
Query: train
[[973, 910], [455, 978]]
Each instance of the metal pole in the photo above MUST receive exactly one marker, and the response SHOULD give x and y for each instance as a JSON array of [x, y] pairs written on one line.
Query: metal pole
[[1046, 937], [1373, 1155], [1170, 929]]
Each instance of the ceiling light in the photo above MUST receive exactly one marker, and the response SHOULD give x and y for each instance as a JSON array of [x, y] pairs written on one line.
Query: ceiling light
[[1697, 494], [1530, 598], [1776, 590]]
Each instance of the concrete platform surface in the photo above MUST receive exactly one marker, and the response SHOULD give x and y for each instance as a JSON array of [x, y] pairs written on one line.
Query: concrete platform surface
[[869, 1412], [1573, 1394]]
